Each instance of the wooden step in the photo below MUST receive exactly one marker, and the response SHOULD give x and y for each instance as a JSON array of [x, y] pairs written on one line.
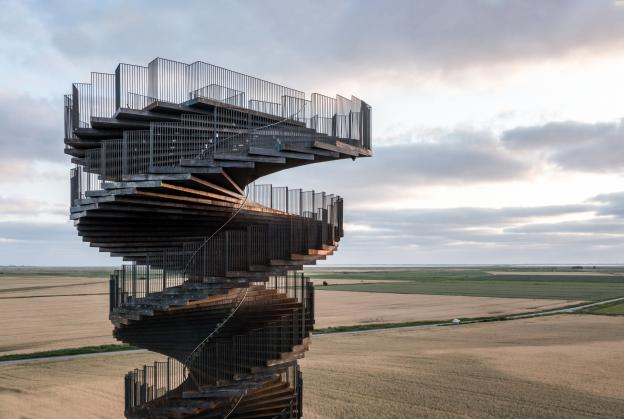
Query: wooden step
[[248, 158], [306, 258], [199, 163], [283, 262], [318, 152], [276, 153], [182, 169]]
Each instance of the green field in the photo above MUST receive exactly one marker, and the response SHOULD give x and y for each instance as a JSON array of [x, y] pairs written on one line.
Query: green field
[[568, 284], [515, 282], [612, 309]]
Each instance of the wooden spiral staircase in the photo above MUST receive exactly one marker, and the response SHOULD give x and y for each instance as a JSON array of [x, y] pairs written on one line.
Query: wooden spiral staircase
[[166, 158]]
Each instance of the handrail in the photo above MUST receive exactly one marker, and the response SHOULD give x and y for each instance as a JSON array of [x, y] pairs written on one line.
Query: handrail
[[252, 130], [146, 393], [238, 209], [192, 257], [189, 359], [235, 406]]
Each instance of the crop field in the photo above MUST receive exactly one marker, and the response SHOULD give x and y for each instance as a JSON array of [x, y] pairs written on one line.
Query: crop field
[[544, 283], [45, 309], [337, 308], [557, 367], [612, 310], [53, 309], [34, 271]]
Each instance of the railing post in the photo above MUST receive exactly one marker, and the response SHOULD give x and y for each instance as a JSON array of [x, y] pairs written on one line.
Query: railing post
[[145, 386], [227, 250], [214, 130], [134, 281], [147, 277], [151, 147], [123, 285], [349, 125], [103, 164], [168, 375], [111, 293], [124, 156]]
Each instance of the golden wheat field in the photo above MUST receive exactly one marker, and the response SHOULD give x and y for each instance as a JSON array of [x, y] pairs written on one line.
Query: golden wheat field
[[55, 312], [335, 308], [557, 367]]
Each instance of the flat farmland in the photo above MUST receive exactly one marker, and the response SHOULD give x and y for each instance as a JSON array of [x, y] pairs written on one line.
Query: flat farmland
[[556, 367], [603, 283], [44, 310], [340, 308], [54, 310], [610, 310]]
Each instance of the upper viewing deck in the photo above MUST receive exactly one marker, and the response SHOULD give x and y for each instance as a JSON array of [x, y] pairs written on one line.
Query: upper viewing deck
[[170, 115]]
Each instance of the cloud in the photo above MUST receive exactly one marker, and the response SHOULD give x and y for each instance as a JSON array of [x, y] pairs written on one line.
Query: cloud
[[592, 227], [31, 129], [486, 235], [572, 145], [47, 244], [273, 38], [611, 204], [33, 232], [461, 157], [437, 235], [19, 207], [44, 46], [457, 223], [556, 134]]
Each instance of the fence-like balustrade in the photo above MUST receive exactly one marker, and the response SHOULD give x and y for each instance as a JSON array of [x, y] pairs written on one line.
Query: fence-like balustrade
[[166, 157], [163, 81]]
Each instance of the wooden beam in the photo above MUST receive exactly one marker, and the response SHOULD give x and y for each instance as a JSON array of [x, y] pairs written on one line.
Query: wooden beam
[[202, 193], [229, 179], [216, 187]]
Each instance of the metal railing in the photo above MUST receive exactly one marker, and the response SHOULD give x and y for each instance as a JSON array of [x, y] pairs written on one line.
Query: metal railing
[[170, 145], [170, 82], [228, 251], [195, 360], [214, 113], [219, 363]]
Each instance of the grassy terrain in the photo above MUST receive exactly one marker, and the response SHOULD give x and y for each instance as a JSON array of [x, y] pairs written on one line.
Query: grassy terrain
[[373, 326], [478, 282], [69, 351], [616, 309]]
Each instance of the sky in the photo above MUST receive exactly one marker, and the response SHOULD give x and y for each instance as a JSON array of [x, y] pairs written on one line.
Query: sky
[[498, 126]]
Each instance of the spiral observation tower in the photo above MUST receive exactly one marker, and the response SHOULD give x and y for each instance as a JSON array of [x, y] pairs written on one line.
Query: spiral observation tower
[[166, 158]]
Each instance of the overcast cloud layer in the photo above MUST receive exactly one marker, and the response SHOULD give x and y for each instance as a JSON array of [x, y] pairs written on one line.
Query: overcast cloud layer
[[498, 126]]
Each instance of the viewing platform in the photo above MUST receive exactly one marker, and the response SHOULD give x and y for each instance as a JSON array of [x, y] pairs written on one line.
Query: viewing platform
[[166, 159]]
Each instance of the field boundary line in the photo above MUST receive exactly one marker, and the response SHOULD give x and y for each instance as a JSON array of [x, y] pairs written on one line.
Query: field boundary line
[[374, 328]]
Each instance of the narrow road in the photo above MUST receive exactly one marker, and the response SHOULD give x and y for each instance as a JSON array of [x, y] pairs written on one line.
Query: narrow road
[[563, 310]]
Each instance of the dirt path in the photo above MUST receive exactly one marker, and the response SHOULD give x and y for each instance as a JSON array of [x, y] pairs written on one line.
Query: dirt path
[[335, 308]]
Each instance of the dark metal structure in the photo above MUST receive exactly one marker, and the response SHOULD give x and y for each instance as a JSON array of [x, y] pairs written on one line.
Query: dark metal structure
[[166, 158]]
